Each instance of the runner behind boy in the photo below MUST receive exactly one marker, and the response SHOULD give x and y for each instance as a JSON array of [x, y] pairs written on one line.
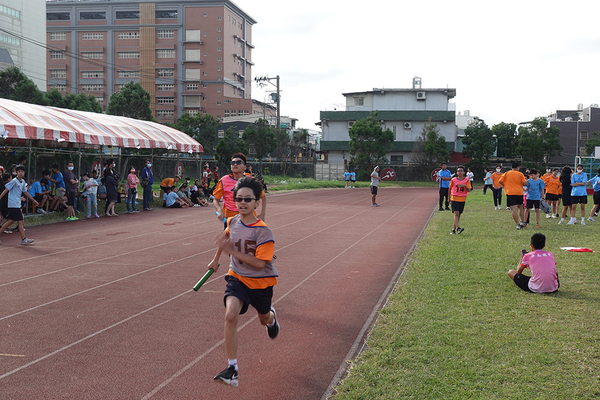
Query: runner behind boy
[[15, 189], [460, 186], [251, 277]]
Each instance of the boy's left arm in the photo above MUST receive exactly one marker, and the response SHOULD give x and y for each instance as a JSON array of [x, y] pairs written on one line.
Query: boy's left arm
[[263, 207]]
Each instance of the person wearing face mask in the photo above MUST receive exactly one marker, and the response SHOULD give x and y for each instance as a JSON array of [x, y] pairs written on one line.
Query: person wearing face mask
[[497, 188], [71, 183], [147, 181], [132, 182], [578, 194]]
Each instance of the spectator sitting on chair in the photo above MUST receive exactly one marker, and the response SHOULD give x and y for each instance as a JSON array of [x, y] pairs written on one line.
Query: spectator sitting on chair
[[39, 194]]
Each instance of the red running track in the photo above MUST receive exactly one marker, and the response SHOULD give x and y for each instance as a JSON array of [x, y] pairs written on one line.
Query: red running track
[[103, 309]]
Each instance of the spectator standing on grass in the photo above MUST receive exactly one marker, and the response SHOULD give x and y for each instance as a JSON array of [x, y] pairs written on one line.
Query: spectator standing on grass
[[15, 189], [565, 182], [224, 190], [90, 188], [132, 182], [71, 183], [444, 178], [374, 185], [497, 188], [544, 277], [578, 194], [147, 181], [460, 186], [513, 182], [470, 175], [535, 188]]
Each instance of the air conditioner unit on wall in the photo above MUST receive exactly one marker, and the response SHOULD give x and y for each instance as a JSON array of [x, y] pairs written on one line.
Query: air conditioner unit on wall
[[421, 95], [408, 125], [350, 123]]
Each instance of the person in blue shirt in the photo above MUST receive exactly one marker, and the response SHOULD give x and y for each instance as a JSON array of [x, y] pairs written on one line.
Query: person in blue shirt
[[535, 188], [58, 182], [347, 178], [353, 179], [578, 194], [147, 181], [444, 178], [595, 182], [172, 200], [39, 193], [487, 181], [15, 189]]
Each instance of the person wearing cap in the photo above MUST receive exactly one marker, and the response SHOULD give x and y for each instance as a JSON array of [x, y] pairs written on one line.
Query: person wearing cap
[[374, 185]]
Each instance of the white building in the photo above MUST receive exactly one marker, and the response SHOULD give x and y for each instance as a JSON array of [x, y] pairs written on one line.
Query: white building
[[403, 111], [23, 35]]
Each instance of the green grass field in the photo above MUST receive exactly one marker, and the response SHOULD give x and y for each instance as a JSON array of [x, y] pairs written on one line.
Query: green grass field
[[456, 326]]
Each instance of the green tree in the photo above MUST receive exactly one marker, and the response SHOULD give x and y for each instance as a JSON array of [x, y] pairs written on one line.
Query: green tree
[[538, 142], [15, 85], [590, 145], [506, 135], [72, 101], [229, 144], [132, 101], [202, 127], [369, 143], [430, 149], [479, 144], [299, 141], [261, 136]]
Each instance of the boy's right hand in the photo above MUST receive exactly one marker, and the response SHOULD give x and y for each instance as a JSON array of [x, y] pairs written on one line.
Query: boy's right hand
[[214, 264]]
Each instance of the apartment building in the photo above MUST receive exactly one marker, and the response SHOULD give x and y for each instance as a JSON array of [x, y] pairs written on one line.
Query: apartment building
[[22, 38], [191, 55]]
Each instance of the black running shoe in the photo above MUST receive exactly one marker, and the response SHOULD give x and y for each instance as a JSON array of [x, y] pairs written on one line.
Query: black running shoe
[[228, 376], [273, 331], [459, 230]]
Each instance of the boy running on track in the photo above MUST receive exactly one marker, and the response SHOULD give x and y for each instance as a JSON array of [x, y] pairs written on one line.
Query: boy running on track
[[513, 182], [15, 189], [251, 277], [460, 186], [224, 189], [553, 190]]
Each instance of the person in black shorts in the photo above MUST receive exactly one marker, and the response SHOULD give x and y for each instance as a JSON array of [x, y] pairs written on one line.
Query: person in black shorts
[[565, 180]]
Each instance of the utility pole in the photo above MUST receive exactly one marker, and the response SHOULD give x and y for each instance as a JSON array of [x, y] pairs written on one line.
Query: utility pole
[[259, 81]]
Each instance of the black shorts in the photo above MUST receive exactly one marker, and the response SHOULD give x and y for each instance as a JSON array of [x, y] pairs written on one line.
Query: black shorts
[[38, 197], [522, 281], [260, 299], [458, 206], [578, 199], [596, 197], [14, 214], [71, 198], [514, 200], [533, 204], [373, 189], [566, 199], [552, 197], [175, 205]]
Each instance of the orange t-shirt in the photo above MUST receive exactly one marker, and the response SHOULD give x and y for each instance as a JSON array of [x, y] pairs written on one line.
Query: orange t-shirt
[[513, 182], [496, 180], [553, 185]]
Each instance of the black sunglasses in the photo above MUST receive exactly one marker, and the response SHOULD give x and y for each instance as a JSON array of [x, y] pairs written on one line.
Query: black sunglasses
[[238, 162], [246, 199]]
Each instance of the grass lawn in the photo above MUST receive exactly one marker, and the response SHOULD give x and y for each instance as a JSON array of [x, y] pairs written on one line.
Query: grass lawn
[[456, 326], [279, 183]]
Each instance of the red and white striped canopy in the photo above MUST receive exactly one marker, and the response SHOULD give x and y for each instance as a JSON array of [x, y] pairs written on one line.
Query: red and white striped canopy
[[30, 121]]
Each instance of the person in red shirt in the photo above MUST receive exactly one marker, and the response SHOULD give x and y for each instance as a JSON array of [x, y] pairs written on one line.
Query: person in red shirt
[[460, 186]]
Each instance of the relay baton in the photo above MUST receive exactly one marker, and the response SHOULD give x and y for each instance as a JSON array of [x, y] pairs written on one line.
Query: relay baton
[[224, 219], [203, 279]]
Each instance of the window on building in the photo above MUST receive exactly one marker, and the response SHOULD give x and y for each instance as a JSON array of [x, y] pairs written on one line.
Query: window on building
[[582, 151], [10, 40], [92, 15], [219, 49], [58, 36], [58, 73], [165, 53], [191, 101], [92, 74], [100, 100], [10, 11], [359, 101], [127, 15], [165, 14], [205, 14], [129, 35], [57, 54], [192, 113], [251, 148], [219, 39], [128, 54], [59, 16], [165, 34], [240, 133], [165, 87], [92, 36], [92, 55], [60, 88], [165, 113], [165, 72], [192, 55], [92, 88], [128, 74], [192, 74], [218, 103], [165, 100], [192, 35], [396, 159], [220, 133], [225, 113], [584, 135], [219, 69], [192, 86]]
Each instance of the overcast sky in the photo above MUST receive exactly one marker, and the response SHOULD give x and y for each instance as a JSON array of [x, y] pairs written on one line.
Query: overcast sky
[[512, 61]]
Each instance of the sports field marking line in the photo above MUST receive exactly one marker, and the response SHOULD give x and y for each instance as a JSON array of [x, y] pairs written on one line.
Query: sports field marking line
[[12, 355], [354, 351], [214, 347], [165, 302]]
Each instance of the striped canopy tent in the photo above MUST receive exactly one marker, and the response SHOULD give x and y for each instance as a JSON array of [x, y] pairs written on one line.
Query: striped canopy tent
[[24, 121]]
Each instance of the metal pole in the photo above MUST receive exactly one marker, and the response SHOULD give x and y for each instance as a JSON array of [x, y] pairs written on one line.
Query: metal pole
[[278, 105]]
